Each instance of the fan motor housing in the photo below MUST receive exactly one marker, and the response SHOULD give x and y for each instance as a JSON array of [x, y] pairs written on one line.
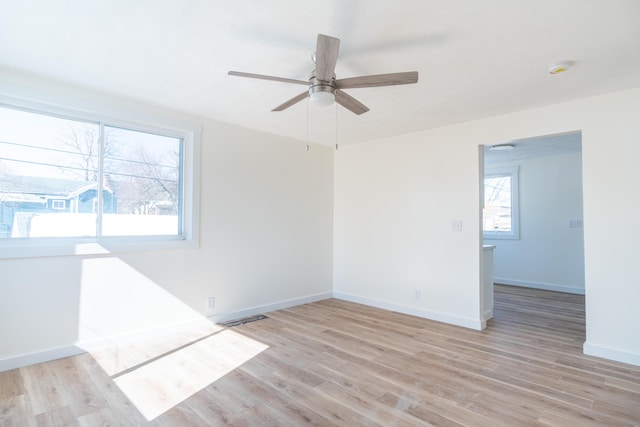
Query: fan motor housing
[[316, 85]]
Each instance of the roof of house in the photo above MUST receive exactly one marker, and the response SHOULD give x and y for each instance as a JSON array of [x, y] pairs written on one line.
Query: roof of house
[[34, 185]]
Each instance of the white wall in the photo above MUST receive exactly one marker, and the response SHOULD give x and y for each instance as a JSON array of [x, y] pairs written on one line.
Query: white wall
[[549, 254], [266, 233], [395, 199], [394, 203], [265, 242]]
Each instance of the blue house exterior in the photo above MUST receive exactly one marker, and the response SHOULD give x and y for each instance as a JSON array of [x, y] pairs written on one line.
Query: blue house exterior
[[26, 196]]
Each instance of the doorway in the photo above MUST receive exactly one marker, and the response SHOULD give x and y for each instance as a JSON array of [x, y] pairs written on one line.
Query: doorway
[[532, 212]]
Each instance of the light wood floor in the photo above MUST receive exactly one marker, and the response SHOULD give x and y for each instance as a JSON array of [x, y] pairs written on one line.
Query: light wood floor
[[338, 363]]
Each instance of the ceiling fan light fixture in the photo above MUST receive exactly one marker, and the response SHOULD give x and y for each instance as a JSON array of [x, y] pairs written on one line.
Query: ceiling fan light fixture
[[322, 99], [321, 94]]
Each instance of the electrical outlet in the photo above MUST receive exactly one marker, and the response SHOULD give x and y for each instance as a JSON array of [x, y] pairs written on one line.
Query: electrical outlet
[[575, 223], [211, 303], [417, 295], [456, 225]]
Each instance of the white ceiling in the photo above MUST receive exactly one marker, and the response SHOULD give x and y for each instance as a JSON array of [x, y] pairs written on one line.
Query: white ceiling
[[475, 58], [548, 145]]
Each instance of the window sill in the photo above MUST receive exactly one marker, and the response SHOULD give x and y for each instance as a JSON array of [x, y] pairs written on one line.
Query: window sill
[[497, 236], [74, 247]]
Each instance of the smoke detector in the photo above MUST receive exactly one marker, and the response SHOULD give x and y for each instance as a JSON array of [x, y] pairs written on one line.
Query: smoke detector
[[559, 67]]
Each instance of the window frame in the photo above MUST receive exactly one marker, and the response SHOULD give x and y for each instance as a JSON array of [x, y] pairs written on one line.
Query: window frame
[[512, 172], [132, 119]]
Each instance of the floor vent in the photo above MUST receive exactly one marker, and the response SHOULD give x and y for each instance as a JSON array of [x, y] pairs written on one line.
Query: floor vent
[[232, 323]]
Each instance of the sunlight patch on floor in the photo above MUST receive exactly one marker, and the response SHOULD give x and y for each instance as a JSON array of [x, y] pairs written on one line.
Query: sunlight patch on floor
[[162, 383], [118, 354], [156, 348]]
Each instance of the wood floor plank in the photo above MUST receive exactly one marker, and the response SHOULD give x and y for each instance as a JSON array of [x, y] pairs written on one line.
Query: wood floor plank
[[42, 388], [79, 391], [275, 391], [16, 411], [63, 416], [11, 384], [336, 363]]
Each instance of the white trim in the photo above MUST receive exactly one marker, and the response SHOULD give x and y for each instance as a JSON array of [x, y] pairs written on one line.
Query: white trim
[[39, 357], [413, 311], [611, 354], [535, 285], [266, 308], [69, 246]]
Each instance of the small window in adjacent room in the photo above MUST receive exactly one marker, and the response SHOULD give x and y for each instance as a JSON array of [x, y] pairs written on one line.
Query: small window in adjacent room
[[500, 216]]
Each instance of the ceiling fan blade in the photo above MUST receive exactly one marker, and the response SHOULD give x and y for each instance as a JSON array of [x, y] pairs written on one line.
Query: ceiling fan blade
[[292, 101], [263, 77], [326, 57], [390, 79], [350, 103]]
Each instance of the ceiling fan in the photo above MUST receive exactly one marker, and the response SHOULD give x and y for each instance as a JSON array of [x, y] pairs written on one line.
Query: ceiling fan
[[324, 89]]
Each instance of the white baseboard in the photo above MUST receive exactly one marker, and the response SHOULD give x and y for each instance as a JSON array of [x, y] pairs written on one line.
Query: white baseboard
[[413, 311], [545, 286], [82, 347], [611, 354], [263, 309], [39, 357]]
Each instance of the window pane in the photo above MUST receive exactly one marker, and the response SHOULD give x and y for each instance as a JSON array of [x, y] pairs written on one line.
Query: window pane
[[48, 176], [497, 204], [142, 181]]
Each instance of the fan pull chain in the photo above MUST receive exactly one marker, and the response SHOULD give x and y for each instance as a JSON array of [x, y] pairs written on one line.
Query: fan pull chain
[[336, 125], [307, 149]]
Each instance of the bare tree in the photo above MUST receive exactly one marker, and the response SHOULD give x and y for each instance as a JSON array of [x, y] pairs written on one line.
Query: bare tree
[[82, 142], [153, 182], [144, 180], [161, 171], [5, 172], [5, 169]]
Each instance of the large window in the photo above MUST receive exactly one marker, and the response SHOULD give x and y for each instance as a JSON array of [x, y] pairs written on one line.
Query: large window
[[64, 177], [500, 216]]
